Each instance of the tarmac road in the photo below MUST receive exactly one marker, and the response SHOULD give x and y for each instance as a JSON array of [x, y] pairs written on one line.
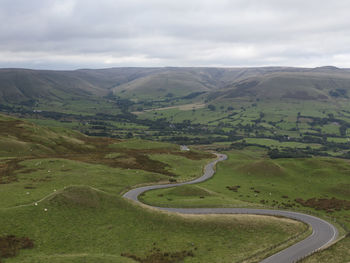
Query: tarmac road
[[323, 232]]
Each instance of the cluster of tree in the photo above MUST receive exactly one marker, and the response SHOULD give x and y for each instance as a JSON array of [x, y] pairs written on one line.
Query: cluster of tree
[[290, 153], [338, 93], [195, 140]]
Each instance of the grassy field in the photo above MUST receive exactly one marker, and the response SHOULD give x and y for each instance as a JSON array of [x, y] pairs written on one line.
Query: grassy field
[[60, 202]]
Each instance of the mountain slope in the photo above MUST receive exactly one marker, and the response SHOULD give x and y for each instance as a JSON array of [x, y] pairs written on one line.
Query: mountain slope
[[18, 85]]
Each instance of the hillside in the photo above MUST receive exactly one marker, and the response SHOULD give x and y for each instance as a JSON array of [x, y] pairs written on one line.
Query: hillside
[[28, 85], [22, 138], [166, 84], [49, 176], [318, 84]]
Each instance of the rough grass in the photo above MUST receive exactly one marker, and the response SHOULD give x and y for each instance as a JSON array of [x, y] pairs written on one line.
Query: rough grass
[[338, 253]]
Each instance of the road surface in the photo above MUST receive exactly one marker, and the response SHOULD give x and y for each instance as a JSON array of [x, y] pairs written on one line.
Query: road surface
[[323, 232]]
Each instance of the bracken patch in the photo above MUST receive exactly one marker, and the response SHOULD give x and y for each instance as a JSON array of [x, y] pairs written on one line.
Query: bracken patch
[[156, 256], [233, 188], [7, 170], [10, 245], [329, 205], [82, 148]]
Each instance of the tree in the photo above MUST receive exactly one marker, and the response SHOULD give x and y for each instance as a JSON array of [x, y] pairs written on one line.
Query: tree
[[211, 107]]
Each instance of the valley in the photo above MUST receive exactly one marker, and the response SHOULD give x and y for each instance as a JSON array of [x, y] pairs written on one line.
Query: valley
[[73, 142]]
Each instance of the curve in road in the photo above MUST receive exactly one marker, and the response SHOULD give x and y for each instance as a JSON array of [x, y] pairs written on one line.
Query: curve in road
[[323, 232]]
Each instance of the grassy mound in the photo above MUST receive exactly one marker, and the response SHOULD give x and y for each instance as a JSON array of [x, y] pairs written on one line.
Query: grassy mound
[[188, 190], [262, 168], [78, 197]]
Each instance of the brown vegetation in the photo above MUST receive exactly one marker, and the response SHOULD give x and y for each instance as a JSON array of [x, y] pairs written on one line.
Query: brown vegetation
[[79, 147], [233, 188], [10, 245], [328, 205], [156, 256], [7, 169]]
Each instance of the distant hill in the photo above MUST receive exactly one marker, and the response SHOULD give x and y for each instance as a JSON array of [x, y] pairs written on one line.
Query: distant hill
[[20, 85], [168, 82], [23, 85], [315, 84]]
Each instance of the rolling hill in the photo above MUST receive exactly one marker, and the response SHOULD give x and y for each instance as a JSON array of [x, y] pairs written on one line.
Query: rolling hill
[[24, 85]]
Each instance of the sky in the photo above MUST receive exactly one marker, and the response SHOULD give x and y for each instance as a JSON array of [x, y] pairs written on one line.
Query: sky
[[72, 34]]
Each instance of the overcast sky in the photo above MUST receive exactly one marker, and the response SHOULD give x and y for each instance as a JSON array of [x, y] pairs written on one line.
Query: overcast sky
[[70, 34]]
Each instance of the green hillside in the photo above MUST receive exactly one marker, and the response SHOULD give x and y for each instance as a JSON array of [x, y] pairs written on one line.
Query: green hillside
[[166, 84], [60, 201]]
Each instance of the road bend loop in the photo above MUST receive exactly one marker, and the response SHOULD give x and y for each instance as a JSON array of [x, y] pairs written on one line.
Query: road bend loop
[[323, 233]]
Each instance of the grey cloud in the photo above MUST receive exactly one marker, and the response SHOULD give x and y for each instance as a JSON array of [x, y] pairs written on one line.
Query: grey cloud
[[91, 33]]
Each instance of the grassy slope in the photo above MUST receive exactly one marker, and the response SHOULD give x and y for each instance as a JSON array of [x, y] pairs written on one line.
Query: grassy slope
[[84, 224]]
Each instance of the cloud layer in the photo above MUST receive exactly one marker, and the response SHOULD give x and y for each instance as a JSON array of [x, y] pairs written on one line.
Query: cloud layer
[[68, 34]]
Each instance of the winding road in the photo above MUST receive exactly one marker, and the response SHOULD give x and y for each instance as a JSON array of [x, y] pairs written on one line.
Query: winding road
[[323, 232]]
